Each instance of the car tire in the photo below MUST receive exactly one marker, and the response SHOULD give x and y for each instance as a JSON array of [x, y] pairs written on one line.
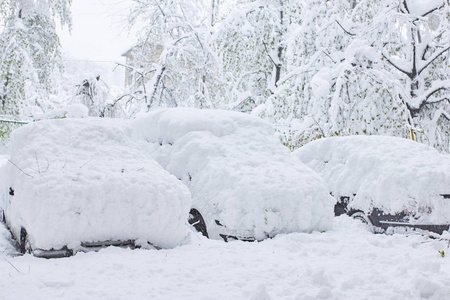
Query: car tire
[[24, 243], [362, 217], [196, 220]]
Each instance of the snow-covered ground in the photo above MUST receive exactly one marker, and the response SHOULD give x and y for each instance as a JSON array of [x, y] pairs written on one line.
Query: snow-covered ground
[[346, 263]]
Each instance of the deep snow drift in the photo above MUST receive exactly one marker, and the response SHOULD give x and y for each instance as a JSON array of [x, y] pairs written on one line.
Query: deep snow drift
[[84, 180], [237, 171]]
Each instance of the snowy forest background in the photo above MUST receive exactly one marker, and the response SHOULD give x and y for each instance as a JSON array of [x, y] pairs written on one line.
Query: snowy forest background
[[314, 68]]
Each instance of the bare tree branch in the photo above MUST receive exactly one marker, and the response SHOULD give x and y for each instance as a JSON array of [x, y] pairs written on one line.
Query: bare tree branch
[[346, 31], [433, 10]]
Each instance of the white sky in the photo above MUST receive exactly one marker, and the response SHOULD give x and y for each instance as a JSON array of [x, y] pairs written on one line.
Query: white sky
[[99, 30]]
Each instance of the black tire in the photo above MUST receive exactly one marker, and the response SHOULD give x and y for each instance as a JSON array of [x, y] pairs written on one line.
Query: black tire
[[363, 218], [196, 220], [360, 215], [24, 245]]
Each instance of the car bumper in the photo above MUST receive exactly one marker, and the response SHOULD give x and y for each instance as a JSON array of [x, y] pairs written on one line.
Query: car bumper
[[436, 228]]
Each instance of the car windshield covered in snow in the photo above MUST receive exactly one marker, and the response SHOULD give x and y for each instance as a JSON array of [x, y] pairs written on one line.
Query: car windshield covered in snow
[[71, 184], [244, 183], [386, 181]]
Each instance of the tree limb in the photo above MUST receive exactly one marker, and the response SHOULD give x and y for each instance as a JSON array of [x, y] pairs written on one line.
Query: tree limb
[[434, 92], [267, 51], [346, 31], [433, 10], [395, 66], [433, 58]]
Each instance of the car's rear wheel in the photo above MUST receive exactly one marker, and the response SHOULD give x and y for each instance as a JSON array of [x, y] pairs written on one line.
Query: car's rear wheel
[[196, 220]]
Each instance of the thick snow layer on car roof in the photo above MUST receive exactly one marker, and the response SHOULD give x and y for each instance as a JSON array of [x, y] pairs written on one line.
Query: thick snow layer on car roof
[[84, 180], [169, 125], [237, 171], [392, 172]]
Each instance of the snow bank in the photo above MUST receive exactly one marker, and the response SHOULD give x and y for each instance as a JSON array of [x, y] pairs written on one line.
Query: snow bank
[[348, 262], [388, 172], [78, 110], [237, 172], [84, 180]]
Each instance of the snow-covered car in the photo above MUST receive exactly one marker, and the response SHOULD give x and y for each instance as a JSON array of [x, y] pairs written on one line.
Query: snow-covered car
[[387, 182], [78, 184], [243, 182]]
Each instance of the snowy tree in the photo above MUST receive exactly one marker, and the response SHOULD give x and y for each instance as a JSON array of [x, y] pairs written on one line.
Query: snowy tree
[[417, 53], [250, 43], [186, 64], [313, 44], [29, 50], [98, 97], [406, 46], [365, 67], [315, 68], [346, 87]]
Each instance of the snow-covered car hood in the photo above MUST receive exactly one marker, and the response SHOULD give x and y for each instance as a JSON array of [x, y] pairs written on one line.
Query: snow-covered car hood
[[237, 172], [84, 180], [388, 172]]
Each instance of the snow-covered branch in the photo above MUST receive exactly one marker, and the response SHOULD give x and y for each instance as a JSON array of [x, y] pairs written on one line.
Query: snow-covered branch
[[433, 58], [409, 74]]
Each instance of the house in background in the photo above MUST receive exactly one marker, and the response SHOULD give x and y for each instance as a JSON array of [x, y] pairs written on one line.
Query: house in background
[[139, 69]]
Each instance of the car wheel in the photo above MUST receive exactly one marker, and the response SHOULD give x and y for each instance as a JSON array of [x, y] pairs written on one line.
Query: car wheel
[[196, 220], [362, 217], [24, 243]]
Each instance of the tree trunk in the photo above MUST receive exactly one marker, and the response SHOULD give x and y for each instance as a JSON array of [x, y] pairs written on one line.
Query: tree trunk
[[155, 87], [280, 48]]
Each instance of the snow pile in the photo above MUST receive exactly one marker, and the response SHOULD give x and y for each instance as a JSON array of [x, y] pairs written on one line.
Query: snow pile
[[84, 180], [237, 172], [32, 111], [78, 110], [388, 172], [6, 244]]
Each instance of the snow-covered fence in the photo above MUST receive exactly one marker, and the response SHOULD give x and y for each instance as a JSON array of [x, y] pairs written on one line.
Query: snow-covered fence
[[7, 124], [13, 121]]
